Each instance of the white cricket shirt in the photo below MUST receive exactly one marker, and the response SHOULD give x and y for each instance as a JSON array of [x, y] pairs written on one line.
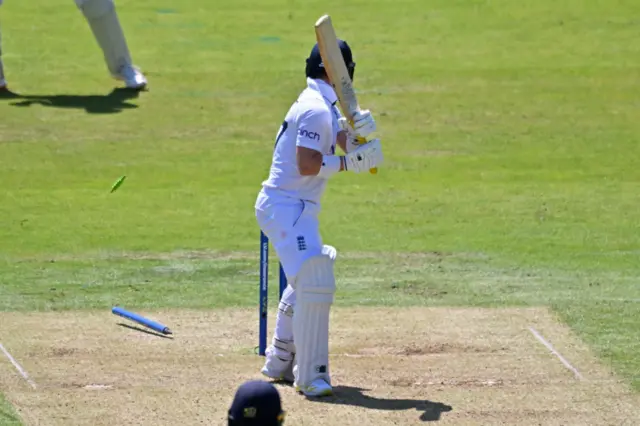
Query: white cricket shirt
[[312, 122]]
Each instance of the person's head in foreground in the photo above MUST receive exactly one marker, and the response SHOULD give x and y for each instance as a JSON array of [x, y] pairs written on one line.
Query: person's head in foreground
[[256, 403]]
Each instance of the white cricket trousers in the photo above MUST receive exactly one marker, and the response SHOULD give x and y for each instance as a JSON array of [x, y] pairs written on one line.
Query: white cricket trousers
[[293, 229]]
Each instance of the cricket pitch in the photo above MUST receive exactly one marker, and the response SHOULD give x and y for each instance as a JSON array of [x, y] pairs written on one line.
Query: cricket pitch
[[390, 366]]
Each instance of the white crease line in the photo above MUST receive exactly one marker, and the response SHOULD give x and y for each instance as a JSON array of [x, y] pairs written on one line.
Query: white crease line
[[18, 367], [562, 359]]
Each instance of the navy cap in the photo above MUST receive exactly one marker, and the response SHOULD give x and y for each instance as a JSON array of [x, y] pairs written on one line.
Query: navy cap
[[315, 68], [256, 403]]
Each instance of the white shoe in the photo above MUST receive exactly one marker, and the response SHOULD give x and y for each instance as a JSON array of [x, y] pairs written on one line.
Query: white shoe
[[277, 368], [132, 77], [319, 387]]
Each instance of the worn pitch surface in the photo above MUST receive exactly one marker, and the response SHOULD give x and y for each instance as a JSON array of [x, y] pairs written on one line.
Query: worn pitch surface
[[390, 366]]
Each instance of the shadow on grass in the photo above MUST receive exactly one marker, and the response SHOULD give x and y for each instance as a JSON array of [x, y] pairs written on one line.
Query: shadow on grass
[[142, 330], [353, 396], [113, 102]]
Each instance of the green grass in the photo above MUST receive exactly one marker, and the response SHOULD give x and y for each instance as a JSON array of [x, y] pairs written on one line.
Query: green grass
[[8, 416], [511, 135]]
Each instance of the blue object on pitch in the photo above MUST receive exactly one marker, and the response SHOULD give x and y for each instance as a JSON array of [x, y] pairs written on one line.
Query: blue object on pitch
[[116, 310], [264, 292]]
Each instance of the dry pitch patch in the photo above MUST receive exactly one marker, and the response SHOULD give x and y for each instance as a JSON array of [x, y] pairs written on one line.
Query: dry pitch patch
[[390, 366]]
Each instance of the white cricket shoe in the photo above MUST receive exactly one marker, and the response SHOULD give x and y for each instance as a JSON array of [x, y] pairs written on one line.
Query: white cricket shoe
[[132, 77], [319, 387], [277, 368]]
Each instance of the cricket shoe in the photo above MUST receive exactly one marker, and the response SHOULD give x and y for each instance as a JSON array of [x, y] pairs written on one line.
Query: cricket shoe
[[132, 77], [318, 387], [5, 92], [277, 368]]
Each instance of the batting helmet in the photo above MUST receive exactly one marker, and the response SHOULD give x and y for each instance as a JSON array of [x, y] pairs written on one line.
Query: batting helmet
[[315, 67]]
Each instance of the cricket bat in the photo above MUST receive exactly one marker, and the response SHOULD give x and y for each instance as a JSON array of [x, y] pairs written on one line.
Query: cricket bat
[[337, 70]]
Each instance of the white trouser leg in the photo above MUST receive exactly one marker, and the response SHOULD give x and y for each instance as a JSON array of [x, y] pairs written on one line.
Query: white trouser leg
[[105, 25], [3, 82]]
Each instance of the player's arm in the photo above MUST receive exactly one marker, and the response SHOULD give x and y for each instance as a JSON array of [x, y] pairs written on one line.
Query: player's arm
[[310, 161], [313, 159], [362, 158], [341, 141], [313, 138]]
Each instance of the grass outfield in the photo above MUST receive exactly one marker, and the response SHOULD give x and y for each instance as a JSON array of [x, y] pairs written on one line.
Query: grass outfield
[[511, 177], [8, 416]]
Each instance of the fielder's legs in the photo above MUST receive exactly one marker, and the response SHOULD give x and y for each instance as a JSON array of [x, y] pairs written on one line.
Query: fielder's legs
[[3, 82], [105, 25]]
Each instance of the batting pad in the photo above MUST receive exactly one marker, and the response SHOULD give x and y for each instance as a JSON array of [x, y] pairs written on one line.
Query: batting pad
[[103, 20], [316, 286]]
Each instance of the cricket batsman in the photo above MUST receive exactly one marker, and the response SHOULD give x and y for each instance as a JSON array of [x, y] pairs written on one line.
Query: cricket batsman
[[105, 25], [287, 210]]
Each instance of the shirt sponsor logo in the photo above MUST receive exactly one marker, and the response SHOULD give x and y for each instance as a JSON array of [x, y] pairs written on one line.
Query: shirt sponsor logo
[[314, 136]]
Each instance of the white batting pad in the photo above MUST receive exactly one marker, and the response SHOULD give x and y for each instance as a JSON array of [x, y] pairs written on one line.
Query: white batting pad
[[316, 286], [103, 20]]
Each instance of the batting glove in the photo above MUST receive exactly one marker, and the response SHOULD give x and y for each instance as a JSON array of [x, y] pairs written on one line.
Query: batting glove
[[352, 137], [364, 157], [363, 123]]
